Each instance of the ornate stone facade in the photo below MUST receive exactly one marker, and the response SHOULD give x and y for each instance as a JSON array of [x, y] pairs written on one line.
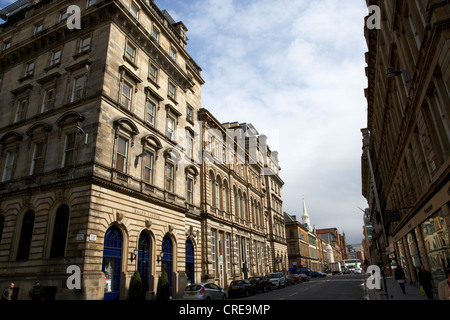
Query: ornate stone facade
[[90, 152]]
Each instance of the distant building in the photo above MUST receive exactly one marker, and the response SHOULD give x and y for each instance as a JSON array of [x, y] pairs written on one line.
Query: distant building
[[332, 237], [297, 242], [305, 246]]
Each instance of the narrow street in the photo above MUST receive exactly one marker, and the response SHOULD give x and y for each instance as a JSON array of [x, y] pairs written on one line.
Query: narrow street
[[338, 287]]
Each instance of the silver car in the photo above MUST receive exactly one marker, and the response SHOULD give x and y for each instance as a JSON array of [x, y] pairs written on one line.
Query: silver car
[[204, 291], [277, 279]]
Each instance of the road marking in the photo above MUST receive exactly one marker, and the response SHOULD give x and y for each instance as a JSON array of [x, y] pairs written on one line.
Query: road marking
[[293, 294]]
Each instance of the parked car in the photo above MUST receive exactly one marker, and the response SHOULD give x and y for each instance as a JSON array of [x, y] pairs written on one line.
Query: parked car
[[241, 287], [289, 280], [317, 274], [358, 271], [277, 279], [261, 283], [204, 291], [305, 270], [304, 277], [296, 278]]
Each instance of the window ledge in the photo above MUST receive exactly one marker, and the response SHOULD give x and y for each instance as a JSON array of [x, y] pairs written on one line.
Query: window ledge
[[134, 65]]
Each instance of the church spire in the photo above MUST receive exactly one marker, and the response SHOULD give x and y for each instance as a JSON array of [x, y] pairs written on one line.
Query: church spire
[[305, 212], [305, 217]]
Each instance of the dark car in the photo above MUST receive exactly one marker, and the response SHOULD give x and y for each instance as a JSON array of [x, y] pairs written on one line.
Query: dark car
[[261, 283], [241, 288], [296, 278], [317, 274], [304, 277], [305, 270]]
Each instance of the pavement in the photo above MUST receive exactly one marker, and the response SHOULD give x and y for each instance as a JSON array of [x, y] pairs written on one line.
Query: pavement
[[394, 292]]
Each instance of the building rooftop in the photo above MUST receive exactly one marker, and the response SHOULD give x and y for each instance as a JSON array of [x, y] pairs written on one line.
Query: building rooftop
[[13, 8]]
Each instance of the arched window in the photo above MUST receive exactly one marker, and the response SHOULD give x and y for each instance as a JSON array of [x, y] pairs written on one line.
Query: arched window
[[255, 221], [236, 203], [26, 234], [166, 263], [211, 188], [144, 255], [239, 204], [225, 205], [60, 232], [244, 207], [2, 225], [261, 217], [112, 262], [217, 191], [190, 260]]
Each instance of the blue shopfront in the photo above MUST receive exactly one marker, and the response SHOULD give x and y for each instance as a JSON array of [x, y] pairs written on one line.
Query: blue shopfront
[[112, 263], [167, 260]]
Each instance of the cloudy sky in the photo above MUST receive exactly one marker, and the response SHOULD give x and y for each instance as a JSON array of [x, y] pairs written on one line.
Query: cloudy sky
[[295, 70]]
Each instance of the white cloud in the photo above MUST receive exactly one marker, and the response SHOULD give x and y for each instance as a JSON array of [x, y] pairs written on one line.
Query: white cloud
[[295, 68]]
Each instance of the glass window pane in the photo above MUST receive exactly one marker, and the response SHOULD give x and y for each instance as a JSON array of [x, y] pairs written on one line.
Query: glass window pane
[[437, 244]]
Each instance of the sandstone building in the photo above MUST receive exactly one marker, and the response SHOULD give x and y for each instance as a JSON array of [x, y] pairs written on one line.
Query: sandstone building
[[406, 145], [90, 158]]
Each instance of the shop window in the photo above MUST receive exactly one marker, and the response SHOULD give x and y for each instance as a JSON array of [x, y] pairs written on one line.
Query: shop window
[[436, 239]]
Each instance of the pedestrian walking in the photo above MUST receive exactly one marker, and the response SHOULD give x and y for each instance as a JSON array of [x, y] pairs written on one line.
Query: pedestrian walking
[[425, 282], [8, 293], [401, 278], [37, 292], [444, 287]]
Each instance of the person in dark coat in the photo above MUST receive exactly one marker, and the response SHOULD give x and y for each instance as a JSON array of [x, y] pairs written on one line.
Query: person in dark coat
[[37, 292], [426, 282], [401, 278]]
